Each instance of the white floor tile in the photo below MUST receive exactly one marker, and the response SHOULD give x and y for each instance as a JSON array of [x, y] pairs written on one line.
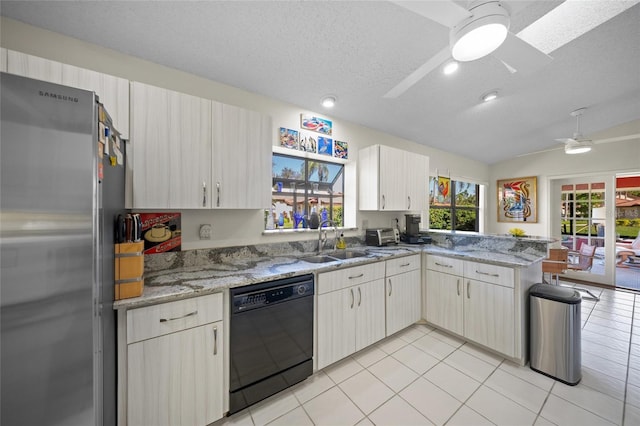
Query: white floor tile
[[296, 417], [333, 408], [392, 344], [631, 416], [366, 391], [411, 334], [424, 328], [397, 411], [599, 339], [465, 416], [541, 421], [528, 375], [273, 407], [470, 365], [613, 369], [481, 353], [562, 412], [242, 418], [500, 409], [611, 316], [393, 373], [521, 391], [415, 359], [452, 381], [633, 395], [605, 351], [633, 376], [369, 356], [434, 347], [434, 403], [447, 338], [634, 361], [602, 383], [620, 326], [365, 422], [312, 387], [342, 370], [591, 400], [608, 332]]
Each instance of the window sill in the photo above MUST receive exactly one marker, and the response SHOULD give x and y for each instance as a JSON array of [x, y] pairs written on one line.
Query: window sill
[[302, 231]]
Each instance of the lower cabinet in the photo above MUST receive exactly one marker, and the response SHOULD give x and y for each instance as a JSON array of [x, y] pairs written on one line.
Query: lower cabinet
[[174, 363], [481, 310], [402, 288], [350, 311]]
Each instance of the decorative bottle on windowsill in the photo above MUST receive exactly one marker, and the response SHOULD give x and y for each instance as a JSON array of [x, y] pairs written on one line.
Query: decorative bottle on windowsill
[[314, 219]]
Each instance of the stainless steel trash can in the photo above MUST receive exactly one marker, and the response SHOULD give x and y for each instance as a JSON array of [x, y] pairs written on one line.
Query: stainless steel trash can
[[554, 332]]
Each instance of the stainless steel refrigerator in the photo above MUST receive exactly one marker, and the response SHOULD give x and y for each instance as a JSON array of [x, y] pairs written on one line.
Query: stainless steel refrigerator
[[57, 215]]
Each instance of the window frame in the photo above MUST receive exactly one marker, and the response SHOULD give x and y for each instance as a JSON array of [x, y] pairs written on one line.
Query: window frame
[[453, 208]]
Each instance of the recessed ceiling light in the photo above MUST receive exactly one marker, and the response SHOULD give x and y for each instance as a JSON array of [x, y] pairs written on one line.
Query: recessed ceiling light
[[450, 67], [489, 96], [481, 33], [329, 101]]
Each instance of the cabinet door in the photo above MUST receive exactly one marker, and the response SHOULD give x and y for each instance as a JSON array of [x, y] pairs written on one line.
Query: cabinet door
[[336, 326], [177, 379], [112, 91], [241, 157], [444, 303], [171, 148], [370, 317], [489, 315], [393, 179], [403, 300], [34, 67]]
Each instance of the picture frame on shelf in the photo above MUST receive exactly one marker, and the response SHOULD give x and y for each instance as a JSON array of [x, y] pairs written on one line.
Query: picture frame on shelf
[[308, 142], [325, 146], [316, 124], [341, 149], [289, 138], [518, 199]]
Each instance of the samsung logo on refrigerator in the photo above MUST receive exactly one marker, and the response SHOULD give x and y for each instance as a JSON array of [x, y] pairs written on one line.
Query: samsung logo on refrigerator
[[58, 96]]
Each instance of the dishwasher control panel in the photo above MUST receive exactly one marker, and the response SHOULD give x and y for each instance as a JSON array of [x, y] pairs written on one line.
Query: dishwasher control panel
[[269, 293]]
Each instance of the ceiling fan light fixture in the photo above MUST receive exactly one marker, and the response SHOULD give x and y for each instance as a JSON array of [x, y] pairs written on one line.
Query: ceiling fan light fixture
[[490, 96], [481, 33], [577, 147], [450, 67], [328, 101]]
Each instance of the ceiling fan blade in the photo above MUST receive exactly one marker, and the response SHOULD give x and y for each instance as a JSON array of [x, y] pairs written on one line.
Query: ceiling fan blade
[[618, 139], [521, 56], [539, 152], [446, 13], [418, 74], [566, 140]]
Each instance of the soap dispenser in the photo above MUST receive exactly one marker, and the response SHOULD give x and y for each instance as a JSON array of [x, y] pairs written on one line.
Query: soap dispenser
[[341, 243]]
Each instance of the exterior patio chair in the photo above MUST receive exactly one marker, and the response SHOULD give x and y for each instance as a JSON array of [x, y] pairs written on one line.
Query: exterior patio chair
[[555, 264], [582, 260]]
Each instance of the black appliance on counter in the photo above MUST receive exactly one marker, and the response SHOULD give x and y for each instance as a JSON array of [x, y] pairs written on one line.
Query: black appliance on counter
[[271, 338], [413, 234]]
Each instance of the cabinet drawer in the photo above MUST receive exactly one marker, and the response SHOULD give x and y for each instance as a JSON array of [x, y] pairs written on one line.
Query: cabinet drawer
[[343, 278], [157, 320], [493, 274], [448, 265], [403, 264]]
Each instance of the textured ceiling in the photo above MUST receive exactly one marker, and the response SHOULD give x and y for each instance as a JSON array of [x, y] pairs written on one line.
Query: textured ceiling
[[298, 51]]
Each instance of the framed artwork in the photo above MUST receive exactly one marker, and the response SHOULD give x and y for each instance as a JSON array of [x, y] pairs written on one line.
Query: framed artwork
[[308, 142], [316, 124], [518, 200], [325, 146], [289, 138], [341, 149]]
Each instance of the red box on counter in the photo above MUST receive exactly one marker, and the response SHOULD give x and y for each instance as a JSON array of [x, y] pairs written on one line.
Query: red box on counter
[[161, 232]]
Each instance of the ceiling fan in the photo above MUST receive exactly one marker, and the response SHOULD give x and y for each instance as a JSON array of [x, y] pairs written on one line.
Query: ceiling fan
[[484, 17]]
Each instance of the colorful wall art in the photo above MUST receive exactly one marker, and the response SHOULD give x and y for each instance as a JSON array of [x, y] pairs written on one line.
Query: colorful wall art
[[325, 146], [289, 138], [316, 124], [517, 200], [341, 149]]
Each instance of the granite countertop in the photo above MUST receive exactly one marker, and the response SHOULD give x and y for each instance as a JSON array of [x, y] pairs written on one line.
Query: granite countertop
[[189, 281]]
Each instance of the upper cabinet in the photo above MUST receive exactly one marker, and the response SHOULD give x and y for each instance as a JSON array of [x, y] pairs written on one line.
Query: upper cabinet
[[194, 153], [392, 179], [241, 158], [170, 148], [112, 91]]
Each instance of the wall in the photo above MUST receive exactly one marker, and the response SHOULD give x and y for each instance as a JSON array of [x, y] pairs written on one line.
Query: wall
[[230, 227], [604, 159]]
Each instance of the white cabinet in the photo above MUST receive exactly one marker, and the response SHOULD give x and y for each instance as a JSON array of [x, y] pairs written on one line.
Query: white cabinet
[[350, 311], [175, 363], [171, 148], [112, 91], [241, 158], [3, 59], [402, 293], [392, 179], [474, 300]]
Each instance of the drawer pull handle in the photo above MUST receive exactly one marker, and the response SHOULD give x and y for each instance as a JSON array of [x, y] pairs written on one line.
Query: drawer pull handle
[[359, 296], [204, 194], [468, 293], [390, 287], [405, 264], [357, 276], [190, 314], [218, 194], [487, 273], [458, 287], [215, 340], [444, 264], [352, 299]]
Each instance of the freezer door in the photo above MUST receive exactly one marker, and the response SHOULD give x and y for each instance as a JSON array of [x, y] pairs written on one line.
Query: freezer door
[[48, 272]]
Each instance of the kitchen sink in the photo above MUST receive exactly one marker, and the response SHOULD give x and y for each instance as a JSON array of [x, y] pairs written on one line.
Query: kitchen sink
[[333, 256]]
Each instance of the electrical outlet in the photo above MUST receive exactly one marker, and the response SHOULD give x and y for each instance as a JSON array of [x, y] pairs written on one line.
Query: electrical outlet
[[205, 232]]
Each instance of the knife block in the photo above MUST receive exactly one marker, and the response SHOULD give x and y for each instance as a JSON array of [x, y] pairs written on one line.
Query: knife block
[[129, 277]]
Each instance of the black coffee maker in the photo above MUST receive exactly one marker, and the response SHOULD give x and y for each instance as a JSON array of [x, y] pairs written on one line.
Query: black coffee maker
[[412, 231]]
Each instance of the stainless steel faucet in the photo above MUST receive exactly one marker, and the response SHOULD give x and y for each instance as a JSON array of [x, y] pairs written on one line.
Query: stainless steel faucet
[[322, 235]]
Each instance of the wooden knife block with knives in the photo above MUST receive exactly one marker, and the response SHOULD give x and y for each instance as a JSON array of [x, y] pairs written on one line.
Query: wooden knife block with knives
[[129, 257]]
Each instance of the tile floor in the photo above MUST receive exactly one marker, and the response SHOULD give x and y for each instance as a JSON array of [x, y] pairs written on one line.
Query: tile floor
[[422, 376]]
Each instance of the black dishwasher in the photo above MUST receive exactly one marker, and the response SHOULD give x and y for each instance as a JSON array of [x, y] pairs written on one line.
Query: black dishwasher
[[271, 338]]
